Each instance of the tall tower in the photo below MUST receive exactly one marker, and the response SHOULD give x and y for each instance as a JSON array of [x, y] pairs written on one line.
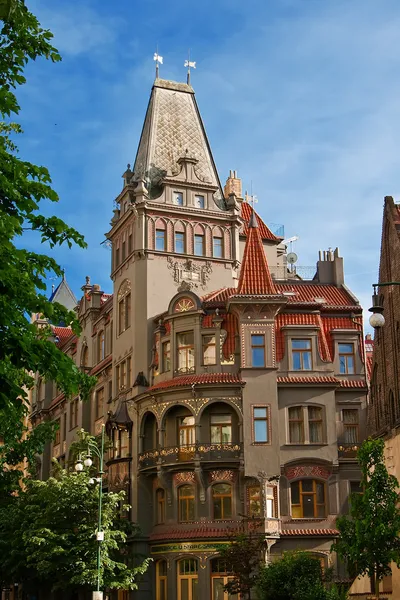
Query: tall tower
[[172, 229]]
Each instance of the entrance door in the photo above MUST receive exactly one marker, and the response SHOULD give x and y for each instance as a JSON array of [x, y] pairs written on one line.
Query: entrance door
[[219, 579], [187, 579]]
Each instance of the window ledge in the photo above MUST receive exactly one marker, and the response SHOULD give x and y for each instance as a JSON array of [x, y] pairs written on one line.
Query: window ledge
[[307, 519], [313, 444]]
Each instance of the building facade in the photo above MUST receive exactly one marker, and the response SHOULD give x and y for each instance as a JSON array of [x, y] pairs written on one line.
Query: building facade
[[233, 390]]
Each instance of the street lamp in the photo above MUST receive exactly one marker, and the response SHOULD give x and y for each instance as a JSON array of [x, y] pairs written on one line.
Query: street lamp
[[377, 319], [93, 449]]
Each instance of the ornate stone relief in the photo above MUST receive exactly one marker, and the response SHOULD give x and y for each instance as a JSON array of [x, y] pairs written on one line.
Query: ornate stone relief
[[184, 477], [307, 471], [189, 274], [225, 475]]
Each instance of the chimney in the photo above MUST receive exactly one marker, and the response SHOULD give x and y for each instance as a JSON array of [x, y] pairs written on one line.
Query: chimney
[[233, 185], [330, 267]]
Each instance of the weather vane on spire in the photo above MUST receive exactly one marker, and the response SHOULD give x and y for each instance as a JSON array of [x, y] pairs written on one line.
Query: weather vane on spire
[[159, 61], [189, 64]]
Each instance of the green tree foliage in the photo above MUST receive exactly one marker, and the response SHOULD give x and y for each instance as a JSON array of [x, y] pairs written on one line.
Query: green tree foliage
[[243, 557], [369, 536], [296, 576], [52, 527], [23, 187]]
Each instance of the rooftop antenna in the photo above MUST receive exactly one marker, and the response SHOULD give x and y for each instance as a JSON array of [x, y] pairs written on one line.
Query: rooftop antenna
[[188, 63], [251, 198], [159, 61]]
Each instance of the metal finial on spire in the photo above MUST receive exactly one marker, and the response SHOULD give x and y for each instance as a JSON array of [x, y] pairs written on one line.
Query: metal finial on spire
[[159, 61], [189, 64]]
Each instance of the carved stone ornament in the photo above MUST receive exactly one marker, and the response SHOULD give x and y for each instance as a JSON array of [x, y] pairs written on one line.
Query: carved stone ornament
[[190, 273], [307, 471], [225, 475]]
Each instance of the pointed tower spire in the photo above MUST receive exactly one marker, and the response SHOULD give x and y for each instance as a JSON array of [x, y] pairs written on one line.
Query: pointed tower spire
[[255, 278]]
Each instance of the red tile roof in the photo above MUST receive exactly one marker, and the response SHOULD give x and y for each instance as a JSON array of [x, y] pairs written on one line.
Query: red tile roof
[[63, 334], [313, 319], [369, 363], [266, 234], [205, 378], [255, 278], [307, 380], [310, 532], [353, 383], [198, 533]]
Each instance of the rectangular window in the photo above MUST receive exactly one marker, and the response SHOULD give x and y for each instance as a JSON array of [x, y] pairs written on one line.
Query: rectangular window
[[177, 198], [186, 431], [117, 379], [166, 356], [350, 425], [221, 429], [296, 425], [199, 245], [130, 245], [199, 201], [122, 366], [127, 311], [110, 390], [73, 415], [64, 437], [315, 424], [217, 247], [185, 351], [57, 437], [346, 359], [128, 372], [179, 242], [209, 355], [308, 499], [257, 351], [301, 354], [160, 240], [121, 315], [116, 257], [160, 506], [99, 406], [123, 250], [260, 424], [270, 502]]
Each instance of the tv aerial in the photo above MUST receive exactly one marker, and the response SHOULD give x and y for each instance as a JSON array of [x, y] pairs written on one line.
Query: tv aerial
[[291, 257]]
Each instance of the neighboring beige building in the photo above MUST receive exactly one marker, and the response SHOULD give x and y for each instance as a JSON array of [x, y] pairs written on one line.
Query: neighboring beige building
[[233, 390]]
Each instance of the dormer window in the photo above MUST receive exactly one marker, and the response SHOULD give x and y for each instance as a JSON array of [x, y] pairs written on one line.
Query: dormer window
[[346, 359], [301, 355], [177, 198], [199, 201]]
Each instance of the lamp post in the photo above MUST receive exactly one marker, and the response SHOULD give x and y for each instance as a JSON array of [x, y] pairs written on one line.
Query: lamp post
[[93, 449], [377, 319]]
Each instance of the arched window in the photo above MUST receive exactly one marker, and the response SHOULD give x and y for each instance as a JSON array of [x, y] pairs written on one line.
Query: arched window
[[199, 241], [161, 580], [220, 576], [124, 306], [308, 499], [186, 503], [85, 356], [160, 496], [222, 501], [161, 236], [101, 349], [187, 579], [179, 238]]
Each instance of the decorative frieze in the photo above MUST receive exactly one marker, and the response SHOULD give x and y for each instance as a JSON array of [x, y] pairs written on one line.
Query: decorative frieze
[[299, 471]]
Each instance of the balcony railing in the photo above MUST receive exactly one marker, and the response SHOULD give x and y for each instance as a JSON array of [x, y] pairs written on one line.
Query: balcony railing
[[181, 454], [348, 450]]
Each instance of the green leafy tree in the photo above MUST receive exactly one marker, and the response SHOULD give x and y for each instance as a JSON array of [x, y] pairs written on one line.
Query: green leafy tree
[[369, 536], [296, 576], [243, 556], [52, 525], [23, 187]]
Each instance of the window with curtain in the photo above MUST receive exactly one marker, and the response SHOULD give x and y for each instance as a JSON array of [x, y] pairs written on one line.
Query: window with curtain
[[222, 501], [301, 355], [296, 425], [260, 424], [315, 431], [186, 503], [209, 353], [186, 431], [199, 201], [177, 198], [221, 429], [308, 499], [100, 346], [185, 351], [350, 425]]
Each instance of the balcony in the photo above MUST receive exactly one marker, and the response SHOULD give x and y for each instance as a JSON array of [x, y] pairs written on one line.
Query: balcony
[[348, 450], [177, 455]]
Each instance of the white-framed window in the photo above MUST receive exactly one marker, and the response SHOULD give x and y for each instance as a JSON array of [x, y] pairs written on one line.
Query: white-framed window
[[177, 198]]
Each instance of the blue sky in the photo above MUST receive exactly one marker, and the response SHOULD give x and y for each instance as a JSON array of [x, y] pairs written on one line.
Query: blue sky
[[299, 96]]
